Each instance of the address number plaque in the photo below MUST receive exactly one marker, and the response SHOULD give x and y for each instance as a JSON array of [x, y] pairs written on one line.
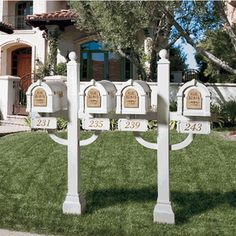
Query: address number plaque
[[132, 125], [96, 124], [44, 123], [194, 127]]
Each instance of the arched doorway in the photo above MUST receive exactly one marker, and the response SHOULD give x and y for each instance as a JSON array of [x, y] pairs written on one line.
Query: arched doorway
[[21, 59]]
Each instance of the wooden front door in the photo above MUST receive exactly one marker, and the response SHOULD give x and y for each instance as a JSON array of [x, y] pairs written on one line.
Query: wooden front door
[[23, 65], [24, 72]]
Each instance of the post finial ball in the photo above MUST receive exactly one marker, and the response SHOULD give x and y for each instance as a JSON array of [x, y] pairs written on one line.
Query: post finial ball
[[72, 56], [163, 54]]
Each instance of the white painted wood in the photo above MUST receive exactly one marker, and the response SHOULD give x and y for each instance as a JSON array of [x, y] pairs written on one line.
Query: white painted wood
[[64, 142], [163, 212], [219, 92], [178, 117], [96, 124], [57, 139], [108, 100], [132, 125], [74, 203], [43, 123], [144, 93], [194, 127], [56, 99], [182, 98], [90, 140], [182, 144], [144, 143]]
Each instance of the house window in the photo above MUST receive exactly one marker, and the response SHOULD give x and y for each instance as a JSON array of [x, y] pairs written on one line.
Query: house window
[[22, 10], [98, 63]]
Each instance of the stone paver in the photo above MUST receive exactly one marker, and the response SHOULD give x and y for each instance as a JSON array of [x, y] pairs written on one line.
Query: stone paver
[[5, 232]]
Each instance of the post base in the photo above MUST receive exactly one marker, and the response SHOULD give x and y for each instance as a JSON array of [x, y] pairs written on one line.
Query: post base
[[163, 213], [74, 204]]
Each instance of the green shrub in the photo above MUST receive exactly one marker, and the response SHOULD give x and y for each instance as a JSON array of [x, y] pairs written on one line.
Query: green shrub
[[113, 124], [173, 124], [46, 69], [28, 121], [42, 71], [228, 111], [173, 105], [217, 120], [152, 124], [224, 114], [61, 69], [61, 124]]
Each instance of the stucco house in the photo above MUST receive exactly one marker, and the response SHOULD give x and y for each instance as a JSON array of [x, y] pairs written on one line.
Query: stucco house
[[22, 51], [92, 56], [27, 47], [19, 52]]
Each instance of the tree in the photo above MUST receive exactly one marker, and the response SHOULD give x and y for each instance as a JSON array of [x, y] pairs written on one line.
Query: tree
[[200, 16], [121, 26], [214, 43], [177, 59]]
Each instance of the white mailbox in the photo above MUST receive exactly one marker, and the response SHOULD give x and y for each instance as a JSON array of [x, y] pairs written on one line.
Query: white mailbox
[[134, 97], [48, 97], [193, 99], [97, 97]]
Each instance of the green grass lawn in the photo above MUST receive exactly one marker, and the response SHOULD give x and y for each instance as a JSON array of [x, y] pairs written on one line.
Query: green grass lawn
[[118, 181]]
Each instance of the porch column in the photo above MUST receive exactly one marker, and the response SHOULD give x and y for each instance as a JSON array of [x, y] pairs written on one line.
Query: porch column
[[7, 94]]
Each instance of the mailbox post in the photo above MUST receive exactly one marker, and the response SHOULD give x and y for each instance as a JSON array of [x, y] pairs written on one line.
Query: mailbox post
[[163, 212], [73, 203], [130, 104]]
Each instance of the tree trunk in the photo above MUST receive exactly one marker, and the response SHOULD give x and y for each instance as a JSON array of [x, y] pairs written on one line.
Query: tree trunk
[[198, 48], [228, 28], [134, 58], [153, 65]]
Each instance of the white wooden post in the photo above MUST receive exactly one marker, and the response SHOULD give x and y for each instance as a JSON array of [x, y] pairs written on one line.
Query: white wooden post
[[73, 203], [163, 212]]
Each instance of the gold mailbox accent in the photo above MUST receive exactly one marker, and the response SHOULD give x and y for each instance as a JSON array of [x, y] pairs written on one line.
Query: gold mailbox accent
[[40, 98], [194, 100], [131, 99], [93, 98]]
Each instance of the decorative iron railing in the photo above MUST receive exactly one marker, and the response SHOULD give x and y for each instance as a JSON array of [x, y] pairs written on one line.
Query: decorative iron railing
[[21, 87], [20, 96]]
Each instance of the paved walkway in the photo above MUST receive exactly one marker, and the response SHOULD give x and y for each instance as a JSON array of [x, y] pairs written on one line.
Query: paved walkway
[[13, 124], [9, 129], [5, 232]]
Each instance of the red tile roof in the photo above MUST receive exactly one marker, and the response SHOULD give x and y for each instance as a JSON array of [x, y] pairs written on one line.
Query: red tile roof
[[5, 27], [57, 15]]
